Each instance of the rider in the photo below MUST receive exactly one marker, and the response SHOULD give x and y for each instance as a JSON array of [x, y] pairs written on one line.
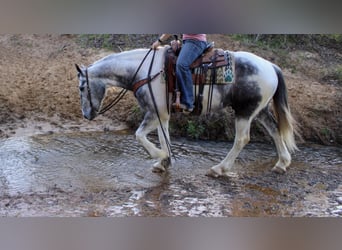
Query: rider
[[193, 46]]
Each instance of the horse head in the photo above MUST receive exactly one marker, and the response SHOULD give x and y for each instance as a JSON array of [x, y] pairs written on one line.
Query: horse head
[[92, 92]]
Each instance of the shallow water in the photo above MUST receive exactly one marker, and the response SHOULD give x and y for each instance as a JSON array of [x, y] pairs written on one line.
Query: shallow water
[[109, 174]]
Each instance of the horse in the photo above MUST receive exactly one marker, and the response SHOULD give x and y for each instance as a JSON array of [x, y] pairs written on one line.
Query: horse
[[258, 83]]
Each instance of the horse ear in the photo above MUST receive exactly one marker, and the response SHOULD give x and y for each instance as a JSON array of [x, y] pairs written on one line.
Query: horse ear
[[79, 70]]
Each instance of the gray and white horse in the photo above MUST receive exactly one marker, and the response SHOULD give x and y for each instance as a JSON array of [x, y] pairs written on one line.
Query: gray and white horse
[[257, 82]]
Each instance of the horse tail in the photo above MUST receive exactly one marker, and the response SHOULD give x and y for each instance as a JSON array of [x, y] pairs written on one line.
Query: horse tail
[[286, 123]]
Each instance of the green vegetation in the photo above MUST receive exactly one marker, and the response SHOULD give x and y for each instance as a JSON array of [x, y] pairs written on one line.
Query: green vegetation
[[325, 45], [96, 40], [338, 74], [263, 41], [194, 130], [116, 42], [335, 75], [282, 41]]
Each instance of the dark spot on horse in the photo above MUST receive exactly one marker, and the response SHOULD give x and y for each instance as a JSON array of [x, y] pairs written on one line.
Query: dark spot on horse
[[244, 68], [245, 98], [244, 95], [143, 98], [122, 81], [100, 91], [127, 80]]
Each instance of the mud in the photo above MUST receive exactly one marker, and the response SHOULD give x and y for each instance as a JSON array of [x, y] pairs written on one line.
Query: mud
[[109, 174]]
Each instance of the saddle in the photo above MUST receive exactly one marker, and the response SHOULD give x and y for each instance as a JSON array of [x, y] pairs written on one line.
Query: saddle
[[214, 66]]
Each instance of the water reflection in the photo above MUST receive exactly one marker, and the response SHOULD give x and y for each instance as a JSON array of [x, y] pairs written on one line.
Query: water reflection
[[110, 174]]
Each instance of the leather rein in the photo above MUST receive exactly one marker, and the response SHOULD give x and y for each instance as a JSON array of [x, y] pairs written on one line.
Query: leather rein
[[122, 93], [136, 86]]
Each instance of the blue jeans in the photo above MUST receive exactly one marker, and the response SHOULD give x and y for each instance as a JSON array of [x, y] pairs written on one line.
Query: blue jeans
[[191, 50]]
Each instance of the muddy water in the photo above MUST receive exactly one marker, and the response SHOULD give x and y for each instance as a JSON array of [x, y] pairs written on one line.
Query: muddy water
[[109, 174]]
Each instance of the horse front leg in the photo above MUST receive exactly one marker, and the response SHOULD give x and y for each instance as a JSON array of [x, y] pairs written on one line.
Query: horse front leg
[[164, 139], [242, 137], [149, 124]]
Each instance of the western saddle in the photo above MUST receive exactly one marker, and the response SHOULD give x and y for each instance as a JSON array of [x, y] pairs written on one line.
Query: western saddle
[[204, 72]]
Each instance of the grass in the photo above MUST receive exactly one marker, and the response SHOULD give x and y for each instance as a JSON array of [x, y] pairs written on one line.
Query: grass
[[287, 41], [96, 40], [116, 42], [337, 74], [194, 130]]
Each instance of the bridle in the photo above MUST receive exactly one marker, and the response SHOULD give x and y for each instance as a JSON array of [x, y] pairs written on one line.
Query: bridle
[[111, 104], [119, 96], [88, 89], [148, 80]]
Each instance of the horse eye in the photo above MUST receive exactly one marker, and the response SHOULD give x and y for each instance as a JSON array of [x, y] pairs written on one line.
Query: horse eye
[[81, 88]]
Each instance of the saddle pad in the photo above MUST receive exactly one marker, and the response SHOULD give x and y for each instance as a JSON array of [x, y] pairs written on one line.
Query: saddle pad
[[224, 74]]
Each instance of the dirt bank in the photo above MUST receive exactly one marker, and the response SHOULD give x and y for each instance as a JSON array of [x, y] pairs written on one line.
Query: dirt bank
[[39, 87], [39, 91]]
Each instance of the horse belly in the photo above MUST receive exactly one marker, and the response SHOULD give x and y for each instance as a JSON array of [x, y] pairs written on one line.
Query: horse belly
[[216, 100]]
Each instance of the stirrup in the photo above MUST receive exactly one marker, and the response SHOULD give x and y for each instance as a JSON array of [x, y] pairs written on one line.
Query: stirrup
[[177, 105], [180, 107]]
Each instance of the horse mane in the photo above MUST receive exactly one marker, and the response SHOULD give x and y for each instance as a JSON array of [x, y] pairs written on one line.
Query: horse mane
[[128, 55]]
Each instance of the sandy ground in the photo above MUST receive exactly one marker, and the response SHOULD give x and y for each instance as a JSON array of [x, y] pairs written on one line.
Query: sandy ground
[[39, 88]]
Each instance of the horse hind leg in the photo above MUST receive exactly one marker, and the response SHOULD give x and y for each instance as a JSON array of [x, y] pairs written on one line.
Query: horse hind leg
[[284, 157], [242, 137]]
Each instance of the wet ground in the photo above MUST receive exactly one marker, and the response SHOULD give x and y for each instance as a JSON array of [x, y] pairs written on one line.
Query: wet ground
[[109, 174]]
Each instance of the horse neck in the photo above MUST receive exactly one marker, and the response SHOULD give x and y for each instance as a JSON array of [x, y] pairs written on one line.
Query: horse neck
[[118, 70]]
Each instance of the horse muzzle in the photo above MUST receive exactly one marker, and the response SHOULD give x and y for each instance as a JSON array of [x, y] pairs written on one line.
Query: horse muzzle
[[90, 115]]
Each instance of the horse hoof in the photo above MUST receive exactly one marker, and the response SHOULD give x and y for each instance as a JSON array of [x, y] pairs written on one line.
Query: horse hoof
[[166, 163], [279, 170], [213, 173], [159, 167], [230, 175]]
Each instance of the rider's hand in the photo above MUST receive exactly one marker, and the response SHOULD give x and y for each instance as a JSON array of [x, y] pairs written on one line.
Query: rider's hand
[[155, 45]]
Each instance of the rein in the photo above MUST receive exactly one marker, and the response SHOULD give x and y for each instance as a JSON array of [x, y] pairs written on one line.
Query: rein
[[113, 102], [120, 95], [149, 80], [88, 90]]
